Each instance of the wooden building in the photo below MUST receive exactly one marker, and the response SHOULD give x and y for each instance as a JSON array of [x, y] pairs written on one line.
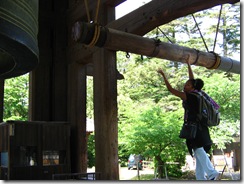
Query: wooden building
[[34, 150]]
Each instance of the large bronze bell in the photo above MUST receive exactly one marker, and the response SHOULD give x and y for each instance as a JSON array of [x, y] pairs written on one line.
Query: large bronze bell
[[18, 37]]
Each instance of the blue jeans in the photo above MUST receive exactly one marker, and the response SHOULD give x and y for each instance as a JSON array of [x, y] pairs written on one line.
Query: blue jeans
[[204, 167]]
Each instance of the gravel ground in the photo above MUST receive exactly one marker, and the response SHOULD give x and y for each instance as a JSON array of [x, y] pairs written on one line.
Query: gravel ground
[[126, 174]]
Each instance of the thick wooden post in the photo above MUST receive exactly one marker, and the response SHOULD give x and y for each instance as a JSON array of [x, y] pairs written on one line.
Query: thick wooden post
[[77, 116], [1, 98], [105, 112], [48, 84]]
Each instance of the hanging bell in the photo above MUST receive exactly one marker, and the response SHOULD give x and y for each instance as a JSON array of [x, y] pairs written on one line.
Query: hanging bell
[[18, 37]]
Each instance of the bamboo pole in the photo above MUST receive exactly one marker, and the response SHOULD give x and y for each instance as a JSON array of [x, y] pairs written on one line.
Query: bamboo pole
[[96, 35]]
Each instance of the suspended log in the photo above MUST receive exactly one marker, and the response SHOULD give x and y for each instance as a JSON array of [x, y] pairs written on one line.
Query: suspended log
[[18, 37], [96, 35]]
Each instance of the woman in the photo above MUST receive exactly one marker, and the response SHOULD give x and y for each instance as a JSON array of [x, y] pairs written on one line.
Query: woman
[[201, 144]]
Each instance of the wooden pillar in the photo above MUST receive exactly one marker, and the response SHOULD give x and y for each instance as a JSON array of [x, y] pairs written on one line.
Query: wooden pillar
[[105, 112], [77, 117], [48, 83], [1, 98]]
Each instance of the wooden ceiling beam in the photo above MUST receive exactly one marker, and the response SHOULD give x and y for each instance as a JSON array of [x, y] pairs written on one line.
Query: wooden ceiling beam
[[159, 12], [114, 3]]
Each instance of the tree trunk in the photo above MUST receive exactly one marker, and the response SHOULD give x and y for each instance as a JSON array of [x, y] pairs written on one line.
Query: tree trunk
[[160, 167]]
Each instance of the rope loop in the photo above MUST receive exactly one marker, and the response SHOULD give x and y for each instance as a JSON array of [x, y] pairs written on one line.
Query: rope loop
[[95, 35], [217, 61], [156, 48], [88, 14], [97, 27], [196, 57]]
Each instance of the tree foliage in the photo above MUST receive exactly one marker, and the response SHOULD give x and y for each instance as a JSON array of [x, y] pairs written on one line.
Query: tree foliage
[[149, 116], [16, 98]]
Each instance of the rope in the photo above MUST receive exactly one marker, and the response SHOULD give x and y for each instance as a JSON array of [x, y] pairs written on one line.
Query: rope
[[97, 10], [217, 29], [196, 57], [87, 11], [156, 49], [164, 35], [97, 27], [200, 33], [95, 36], [217, 62], [231, 65]]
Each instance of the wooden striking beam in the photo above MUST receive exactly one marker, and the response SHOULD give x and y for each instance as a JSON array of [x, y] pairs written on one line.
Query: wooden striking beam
[[141, 20], [160, 12], [95, 35]]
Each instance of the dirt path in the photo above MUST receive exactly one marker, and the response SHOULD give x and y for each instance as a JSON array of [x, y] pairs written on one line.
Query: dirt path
[[125, 174]]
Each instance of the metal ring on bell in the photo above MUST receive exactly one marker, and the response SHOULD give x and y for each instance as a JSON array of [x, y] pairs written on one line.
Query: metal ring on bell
[[19, 51]]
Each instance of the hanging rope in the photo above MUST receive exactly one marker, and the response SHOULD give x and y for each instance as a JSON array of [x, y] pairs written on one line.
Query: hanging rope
[[97, 27], [197, 51], [164, 35], [200, 33], [96, 13], [95, 36], [156, 48], [217, 29], [217, 61], [87, 11], [97, 10]]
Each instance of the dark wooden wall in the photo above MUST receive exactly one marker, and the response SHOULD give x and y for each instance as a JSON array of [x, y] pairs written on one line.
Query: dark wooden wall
[[58, 84], [22, 140], [1, 98]]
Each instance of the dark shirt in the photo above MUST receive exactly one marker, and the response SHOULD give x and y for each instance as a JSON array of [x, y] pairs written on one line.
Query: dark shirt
[[202, 139]]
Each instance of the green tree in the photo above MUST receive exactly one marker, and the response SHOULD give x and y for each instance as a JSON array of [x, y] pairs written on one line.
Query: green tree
[[91, 150], [143, 86], [16, 98], [154, 134], [226, 91]]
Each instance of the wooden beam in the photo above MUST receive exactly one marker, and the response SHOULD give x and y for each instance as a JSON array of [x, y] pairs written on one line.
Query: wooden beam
[[106, 114], [142, 20], [77, 116], [1, 98], [117, 40], [159, 12], [114, 3], [105, 107]]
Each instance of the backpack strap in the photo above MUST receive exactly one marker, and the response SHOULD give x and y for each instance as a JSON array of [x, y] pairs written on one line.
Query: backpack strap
[[199, 96]]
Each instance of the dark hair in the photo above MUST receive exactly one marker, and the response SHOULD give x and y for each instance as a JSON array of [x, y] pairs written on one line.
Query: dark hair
[[197, 84]]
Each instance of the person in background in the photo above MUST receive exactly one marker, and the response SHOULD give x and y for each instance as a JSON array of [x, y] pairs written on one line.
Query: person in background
[[201, 144]]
